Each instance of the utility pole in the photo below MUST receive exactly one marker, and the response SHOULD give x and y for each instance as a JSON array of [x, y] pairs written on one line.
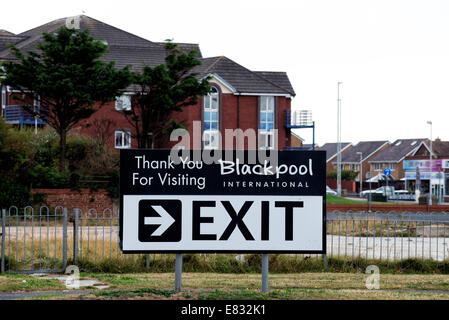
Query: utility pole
[[430, 165], [338, 140], [361, 172]]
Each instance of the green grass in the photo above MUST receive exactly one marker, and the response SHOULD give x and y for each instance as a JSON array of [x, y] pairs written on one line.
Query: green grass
[[134, 293], [18, 282], [331, 199], [298, 286], [45, 296], [282, 286]]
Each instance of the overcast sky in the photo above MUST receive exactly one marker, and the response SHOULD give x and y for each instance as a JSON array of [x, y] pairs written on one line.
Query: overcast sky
[[392, 56]]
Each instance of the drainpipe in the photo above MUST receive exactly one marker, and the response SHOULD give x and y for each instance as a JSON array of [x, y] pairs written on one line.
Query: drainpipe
[[238, 112], [238, 119]]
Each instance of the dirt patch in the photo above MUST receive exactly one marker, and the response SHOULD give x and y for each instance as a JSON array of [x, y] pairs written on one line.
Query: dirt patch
[[189, 295]]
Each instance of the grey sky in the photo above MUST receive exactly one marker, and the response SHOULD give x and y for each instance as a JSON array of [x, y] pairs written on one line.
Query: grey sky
[[392, 56]]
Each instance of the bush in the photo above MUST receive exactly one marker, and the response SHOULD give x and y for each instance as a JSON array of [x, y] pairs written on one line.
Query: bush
[[42, 177], [14, 164], [347, 175], [31, 160], [377, 197], [13, 194], [422, 200]]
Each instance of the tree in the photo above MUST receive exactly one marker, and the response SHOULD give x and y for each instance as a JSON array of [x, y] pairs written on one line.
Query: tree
[[102, 130], [66, 75], [15, 162], [164, 89]]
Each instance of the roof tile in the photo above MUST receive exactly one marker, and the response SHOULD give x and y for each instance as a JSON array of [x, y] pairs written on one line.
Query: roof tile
[[365, 147], [397, 150]]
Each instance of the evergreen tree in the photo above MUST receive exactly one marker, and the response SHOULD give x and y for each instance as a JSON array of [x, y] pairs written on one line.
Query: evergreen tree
[[164, 89], [66, 75]]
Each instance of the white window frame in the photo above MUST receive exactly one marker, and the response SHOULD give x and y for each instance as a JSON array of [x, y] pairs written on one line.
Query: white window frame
[[3, 96], [37, 105], [211, 104], [210, 139], [266, 140], [392, 166], [3, 99], [123, 134], [446, 183], [266, 134], [123, 103], [377, 166], [150, 134]]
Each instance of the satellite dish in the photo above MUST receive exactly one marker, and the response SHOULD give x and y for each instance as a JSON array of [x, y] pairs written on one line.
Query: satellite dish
[[368, 175]]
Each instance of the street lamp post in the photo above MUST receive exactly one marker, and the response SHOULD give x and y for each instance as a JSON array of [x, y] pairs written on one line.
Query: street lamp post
[[430, 164], [361, 172], [338, 140]]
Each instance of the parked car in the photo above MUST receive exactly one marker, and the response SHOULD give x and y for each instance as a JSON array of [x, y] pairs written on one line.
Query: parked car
[[390, 191], [403, 195], [402, 191], [330, 191]]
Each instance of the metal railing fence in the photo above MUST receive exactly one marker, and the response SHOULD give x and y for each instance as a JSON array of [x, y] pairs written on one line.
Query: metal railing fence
[[388, 236], [44, 240], [34, 241]]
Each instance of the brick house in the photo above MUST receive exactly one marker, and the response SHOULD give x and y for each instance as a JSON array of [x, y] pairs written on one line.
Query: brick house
[[240, 98], [358, 157], [437, 177], [296, 141], [392, 157], [331, 153]]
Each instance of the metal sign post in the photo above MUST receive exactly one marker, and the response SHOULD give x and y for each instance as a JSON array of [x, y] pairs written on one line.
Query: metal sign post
[[264, 272], [387, 173], [221, 206], [178, 272], [368, 177]]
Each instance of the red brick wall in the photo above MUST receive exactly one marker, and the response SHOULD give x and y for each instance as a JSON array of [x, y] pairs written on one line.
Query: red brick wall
[[295, 142], [282, 104], [12, 101], [106, 112], [84, 200], [235, 112], [349, 186]]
